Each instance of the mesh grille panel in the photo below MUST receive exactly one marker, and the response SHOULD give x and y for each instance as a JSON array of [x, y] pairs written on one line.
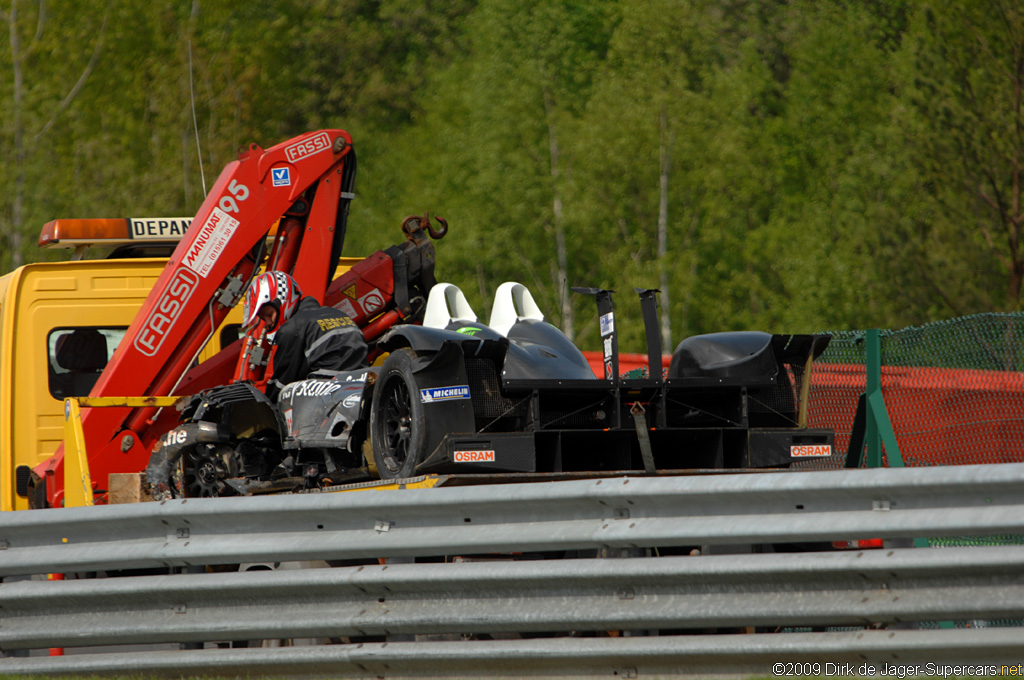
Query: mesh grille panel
[[488, 401]]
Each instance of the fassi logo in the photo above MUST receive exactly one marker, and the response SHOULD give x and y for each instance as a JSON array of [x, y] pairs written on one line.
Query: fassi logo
[[308, 147], [160, 321]]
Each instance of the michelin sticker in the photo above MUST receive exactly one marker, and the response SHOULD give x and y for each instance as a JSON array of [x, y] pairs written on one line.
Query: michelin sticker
[[435, 394]]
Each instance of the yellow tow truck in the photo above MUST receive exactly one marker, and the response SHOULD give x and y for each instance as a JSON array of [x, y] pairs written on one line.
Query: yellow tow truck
[[61, 321]]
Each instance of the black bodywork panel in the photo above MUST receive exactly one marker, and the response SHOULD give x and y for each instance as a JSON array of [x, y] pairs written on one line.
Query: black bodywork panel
[[528, 403]]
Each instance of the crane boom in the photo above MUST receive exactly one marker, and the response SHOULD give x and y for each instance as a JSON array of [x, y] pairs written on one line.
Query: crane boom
[[305, 183]]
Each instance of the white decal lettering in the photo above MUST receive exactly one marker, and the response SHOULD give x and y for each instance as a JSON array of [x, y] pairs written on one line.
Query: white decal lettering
[[432, 394], [211, 241], [308, 147], [165, 312]]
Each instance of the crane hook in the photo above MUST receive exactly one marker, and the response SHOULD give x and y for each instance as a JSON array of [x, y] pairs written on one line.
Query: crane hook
[[415, 223]]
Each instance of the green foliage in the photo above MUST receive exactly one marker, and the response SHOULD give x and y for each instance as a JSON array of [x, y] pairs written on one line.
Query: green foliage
[[839, 164], [964, 121]]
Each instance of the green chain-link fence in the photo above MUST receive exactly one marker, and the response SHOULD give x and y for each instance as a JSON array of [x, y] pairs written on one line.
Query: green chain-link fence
[[954, 390]]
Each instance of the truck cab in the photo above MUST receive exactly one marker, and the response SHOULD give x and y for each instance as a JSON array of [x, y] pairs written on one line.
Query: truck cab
[[59, 325]]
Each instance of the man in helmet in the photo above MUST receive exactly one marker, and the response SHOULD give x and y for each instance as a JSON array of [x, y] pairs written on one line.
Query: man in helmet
[[309, 336]]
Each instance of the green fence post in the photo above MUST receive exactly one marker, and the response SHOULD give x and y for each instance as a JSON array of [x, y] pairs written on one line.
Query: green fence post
[[877, 426], [873, 368]]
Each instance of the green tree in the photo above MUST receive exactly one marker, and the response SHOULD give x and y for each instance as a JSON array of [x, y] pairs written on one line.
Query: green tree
[[639, 148], [797, 172], [836, 158], [494, 147], [966, 64], [48, 69]]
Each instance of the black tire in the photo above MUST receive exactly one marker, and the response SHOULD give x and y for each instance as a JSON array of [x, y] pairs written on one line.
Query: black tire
[[397, 424], [204, 469]]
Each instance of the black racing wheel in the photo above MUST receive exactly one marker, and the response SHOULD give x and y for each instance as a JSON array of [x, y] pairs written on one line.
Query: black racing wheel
[[205, 469], [397, 426]]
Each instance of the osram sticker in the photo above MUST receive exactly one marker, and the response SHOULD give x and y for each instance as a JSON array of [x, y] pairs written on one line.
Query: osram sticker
[[372, 301], [165, 312], [810, 450], [431, 395], [473, 456], [308, 147], [210, 242]]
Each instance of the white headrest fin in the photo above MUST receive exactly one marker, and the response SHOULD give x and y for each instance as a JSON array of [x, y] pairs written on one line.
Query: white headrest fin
[[512, 303], [447, 303]]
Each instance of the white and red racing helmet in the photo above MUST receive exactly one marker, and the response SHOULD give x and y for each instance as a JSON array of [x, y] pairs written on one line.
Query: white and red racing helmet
[[274, 288]]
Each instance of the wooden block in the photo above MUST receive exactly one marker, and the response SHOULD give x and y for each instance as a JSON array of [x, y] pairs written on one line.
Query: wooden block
[[126, 487]]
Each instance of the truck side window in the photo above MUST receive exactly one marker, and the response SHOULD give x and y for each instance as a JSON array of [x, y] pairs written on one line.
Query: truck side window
[[229, 333], [76, 357]]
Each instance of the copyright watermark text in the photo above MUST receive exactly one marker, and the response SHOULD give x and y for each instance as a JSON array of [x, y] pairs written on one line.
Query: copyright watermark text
[[888, 670]]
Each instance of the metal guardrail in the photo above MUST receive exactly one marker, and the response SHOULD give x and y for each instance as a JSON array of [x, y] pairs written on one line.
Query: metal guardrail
[[672, 595], [866, 653], [855, 588], [603, 513]]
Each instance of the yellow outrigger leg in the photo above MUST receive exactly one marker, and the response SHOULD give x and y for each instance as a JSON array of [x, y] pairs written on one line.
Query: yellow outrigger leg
[[77, 480]]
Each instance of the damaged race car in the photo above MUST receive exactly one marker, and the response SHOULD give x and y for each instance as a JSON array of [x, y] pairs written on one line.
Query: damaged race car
[[457, 396]]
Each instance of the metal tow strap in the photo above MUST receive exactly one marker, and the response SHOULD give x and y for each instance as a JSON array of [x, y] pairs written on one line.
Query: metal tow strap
[[640, 421]]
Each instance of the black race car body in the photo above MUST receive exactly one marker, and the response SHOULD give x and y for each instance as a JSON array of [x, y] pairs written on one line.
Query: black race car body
[[457, 396], [521, 404]]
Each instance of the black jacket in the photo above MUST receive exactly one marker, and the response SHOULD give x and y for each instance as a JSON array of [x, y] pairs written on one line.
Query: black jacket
[[315, 338]]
